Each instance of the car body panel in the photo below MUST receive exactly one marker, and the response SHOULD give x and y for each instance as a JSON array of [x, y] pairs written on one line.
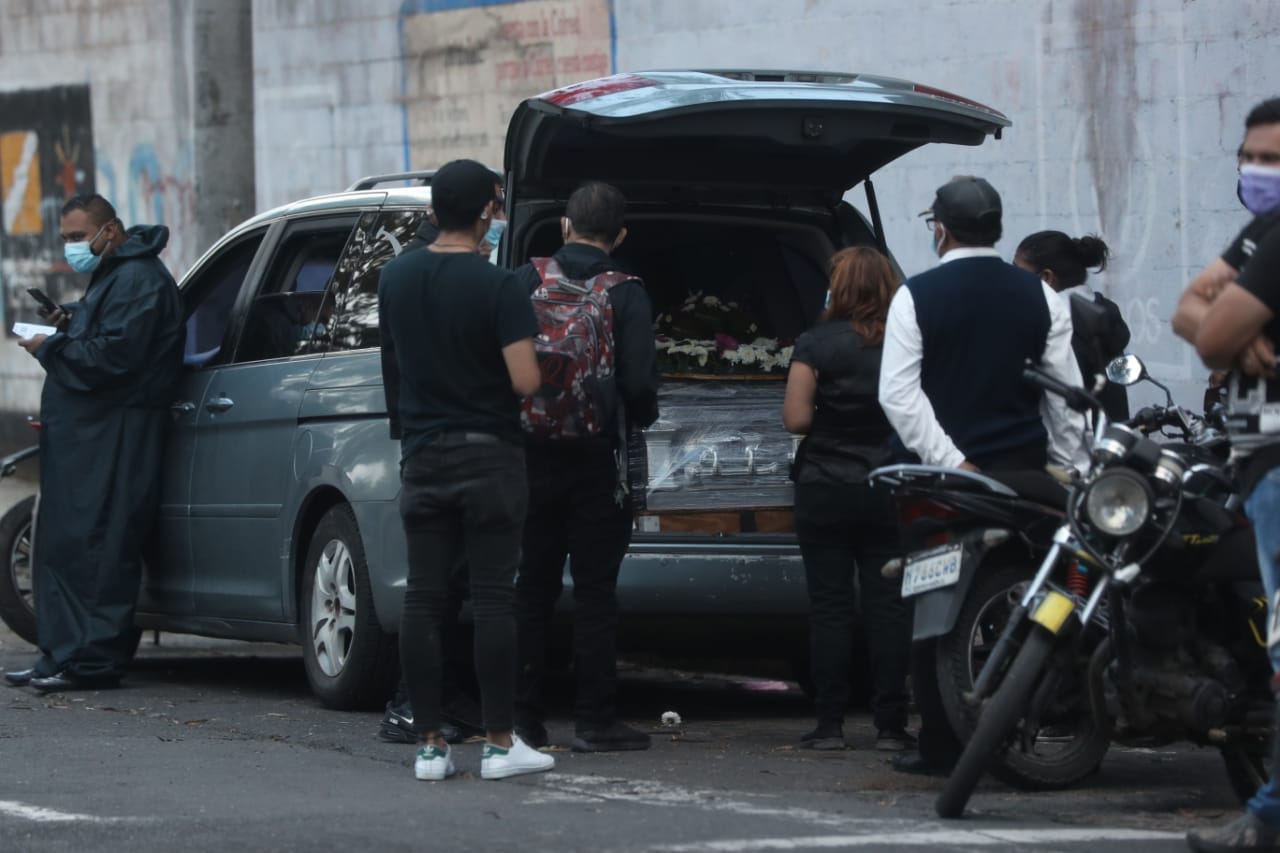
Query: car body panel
[[800, 135], [240, 527]]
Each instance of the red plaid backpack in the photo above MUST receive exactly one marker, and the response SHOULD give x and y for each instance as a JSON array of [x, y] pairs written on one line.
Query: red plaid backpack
[[578, 396]]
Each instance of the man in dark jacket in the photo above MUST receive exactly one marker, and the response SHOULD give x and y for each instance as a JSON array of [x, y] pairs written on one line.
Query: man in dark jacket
[[576, 508], [110, 373]]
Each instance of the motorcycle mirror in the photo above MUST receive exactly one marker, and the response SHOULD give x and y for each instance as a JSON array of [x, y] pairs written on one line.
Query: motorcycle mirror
[[1126, 370]]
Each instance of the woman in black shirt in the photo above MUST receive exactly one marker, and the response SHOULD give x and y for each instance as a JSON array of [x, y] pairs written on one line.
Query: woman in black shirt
[[844, 524]]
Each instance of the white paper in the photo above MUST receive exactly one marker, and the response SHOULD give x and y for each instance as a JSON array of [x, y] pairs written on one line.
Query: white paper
[[30, 330]]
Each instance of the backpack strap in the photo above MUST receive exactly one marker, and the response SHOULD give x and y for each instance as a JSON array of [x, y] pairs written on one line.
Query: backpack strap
[[606, 281]]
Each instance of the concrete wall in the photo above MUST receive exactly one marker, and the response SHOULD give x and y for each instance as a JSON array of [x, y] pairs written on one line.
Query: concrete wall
[[128, 53], [153, 94], [1126, 112], [1126, 116]]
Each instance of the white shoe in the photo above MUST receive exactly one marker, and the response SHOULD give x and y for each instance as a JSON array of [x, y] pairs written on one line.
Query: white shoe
[[433, 763], [499, 763]]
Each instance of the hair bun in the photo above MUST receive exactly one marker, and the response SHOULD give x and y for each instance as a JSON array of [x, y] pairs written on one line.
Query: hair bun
[[1091, 251]]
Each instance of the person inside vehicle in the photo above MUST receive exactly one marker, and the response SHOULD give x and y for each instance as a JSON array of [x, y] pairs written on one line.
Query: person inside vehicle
[[1230, 312], [111, 371], [845, 525], [460, 334], [956, 341], [1063, 263]]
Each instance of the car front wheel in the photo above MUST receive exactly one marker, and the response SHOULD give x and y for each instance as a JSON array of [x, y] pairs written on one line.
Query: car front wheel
[[17, 600], [350, 661]]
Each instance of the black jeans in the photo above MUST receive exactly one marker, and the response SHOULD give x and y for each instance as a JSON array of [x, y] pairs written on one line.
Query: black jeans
[[574, 511], [844, 529], [462, 501]]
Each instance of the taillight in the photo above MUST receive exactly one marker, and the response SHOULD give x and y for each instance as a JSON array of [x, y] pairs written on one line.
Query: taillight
[[33, 423], [912, 508], [952, 96], [926, 520]]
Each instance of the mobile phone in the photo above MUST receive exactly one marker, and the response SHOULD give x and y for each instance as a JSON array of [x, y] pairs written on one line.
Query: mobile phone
[[40, 296]]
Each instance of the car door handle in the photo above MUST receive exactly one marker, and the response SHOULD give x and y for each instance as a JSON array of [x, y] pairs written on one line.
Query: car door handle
[[186, 407], [219, 404]]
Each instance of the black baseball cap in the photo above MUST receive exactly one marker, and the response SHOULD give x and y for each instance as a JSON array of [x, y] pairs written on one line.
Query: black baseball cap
[[461, 188], [966, 202]]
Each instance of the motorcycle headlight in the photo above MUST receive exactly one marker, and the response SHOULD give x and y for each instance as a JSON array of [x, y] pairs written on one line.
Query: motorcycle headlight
[[1118, 503]]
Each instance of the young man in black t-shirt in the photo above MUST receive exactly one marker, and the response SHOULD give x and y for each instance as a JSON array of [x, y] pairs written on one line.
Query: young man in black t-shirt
[[1231, 312], [459, 334]]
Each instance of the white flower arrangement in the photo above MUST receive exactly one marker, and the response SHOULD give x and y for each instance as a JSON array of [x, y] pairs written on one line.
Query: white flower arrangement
[[707, 331]]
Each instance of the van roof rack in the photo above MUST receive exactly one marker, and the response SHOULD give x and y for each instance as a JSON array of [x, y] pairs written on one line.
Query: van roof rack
[[420, 177]]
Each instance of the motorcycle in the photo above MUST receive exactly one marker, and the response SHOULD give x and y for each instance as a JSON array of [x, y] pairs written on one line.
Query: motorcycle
[[1145, 622], [974, 540], [17, 540]]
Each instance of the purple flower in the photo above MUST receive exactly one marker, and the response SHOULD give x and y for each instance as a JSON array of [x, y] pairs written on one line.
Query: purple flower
[[725, 342]]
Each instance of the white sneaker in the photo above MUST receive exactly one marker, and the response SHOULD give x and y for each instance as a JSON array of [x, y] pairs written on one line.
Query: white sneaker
[[499, 763], [433, 763]]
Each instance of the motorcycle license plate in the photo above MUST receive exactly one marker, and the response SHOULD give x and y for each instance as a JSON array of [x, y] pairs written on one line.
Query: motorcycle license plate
[[934, 569]]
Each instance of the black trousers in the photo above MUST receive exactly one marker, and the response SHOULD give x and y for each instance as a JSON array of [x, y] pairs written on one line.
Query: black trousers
[[939, 744], [462, 500], [850, 530], [575, 511]]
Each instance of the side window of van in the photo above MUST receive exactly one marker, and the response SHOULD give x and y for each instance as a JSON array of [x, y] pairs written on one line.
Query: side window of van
[[292, 313], [378, 238], [211, 295]]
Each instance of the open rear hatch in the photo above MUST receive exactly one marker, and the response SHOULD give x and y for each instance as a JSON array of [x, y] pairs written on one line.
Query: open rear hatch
[[803, 137]]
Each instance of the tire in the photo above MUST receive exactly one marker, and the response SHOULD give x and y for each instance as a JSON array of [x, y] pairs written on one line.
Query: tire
[[963, 650], [1078, 747], [17, 600], [1247, 762], [998, 721], [350, 663]]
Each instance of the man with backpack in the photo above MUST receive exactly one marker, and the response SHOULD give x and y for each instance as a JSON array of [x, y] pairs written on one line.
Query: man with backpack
[[599, 373]]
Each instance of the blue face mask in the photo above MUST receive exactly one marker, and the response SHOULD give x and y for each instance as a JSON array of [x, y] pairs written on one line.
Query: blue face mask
[[494, 234], [826, 303], [80, 256], [1259, 188]]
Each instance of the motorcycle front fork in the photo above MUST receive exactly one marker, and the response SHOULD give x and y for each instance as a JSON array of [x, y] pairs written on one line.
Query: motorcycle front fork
[[1010, 639]]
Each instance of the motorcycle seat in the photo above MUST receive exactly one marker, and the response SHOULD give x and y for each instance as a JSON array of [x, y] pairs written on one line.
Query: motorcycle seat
[[1035, 485]]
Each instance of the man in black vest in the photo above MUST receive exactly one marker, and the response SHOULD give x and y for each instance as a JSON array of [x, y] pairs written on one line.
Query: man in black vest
[[956, 341]]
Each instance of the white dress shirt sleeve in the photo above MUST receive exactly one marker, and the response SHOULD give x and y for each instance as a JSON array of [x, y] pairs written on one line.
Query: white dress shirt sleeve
[[1066, 428], [903, 400]]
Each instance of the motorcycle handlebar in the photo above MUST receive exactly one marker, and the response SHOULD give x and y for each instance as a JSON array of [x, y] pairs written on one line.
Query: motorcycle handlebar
[[1077, 399]]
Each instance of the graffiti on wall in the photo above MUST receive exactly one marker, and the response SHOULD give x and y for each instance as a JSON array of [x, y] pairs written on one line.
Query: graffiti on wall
[[468, 63], [145, 192], [46, 156]]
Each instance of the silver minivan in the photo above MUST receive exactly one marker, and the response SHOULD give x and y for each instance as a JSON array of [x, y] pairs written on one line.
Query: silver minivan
[[279, 513]]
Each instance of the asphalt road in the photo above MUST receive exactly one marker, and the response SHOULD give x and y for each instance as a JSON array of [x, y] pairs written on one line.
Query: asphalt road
[[217, 746], [213, 745]]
